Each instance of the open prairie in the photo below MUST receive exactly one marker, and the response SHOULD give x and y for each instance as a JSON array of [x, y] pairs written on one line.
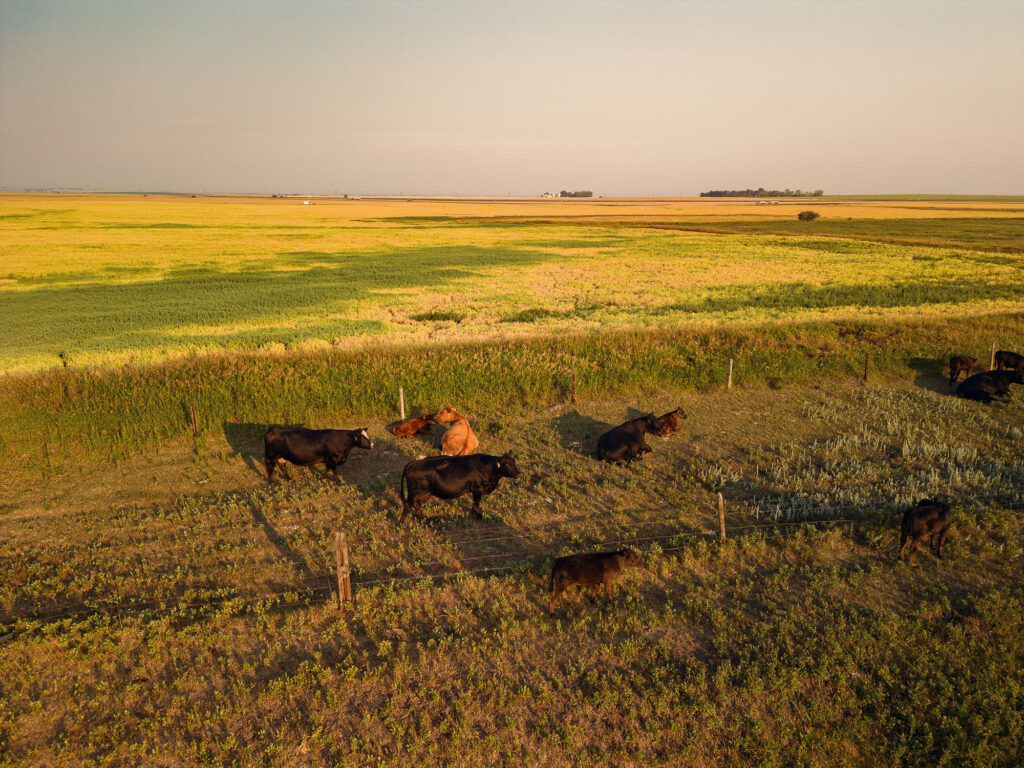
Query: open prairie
[[161, 604], [107, 280]]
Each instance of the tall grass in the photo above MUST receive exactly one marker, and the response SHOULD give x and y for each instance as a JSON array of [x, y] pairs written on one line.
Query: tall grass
[[69, 414]]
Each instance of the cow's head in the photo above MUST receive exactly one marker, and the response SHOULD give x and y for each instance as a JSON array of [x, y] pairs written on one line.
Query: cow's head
[[654, 424], [360, 439], [447, 416], [629, 556], [507, 466], [1017, 376]]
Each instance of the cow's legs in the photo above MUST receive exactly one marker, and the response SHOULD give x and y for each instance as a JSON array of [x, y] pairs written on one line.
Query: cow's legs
[[477, 496], [268, 464], [282, 467], [555, 594], [913, 547], [942, 540], [904, 540]]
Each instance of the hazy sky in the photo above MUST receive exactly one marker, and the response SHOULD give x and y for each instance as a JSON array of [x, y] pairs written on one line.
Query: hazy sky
[[512, 97]]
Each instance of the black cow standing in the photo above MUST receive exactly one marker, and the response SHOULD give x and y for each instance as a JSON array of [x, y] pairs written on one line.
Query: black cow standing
[[592, 569], [983, 387], [626, 442], [304, 447], [927, 519], [449, 477], [1006, 359]]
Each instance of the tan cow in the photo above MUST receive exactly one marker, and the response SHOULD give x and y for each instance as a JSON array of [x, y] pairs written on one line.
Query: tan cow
[[459, 440]]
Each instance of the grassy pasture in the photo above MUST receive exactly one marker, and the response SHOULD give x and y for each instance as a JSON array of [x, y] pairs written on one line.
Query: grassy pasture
[[161, 605], [791, 650]]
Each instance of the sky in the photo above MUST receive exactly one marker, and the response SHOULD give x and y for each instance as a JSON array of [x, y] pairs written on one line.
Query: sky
[[512, 98]]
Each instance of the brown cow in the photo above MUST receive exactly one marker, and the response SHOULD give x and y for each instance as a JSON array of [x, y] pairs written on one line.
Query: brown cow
[[927, 519], [411, 427], [459, 440], [960, 364], [589, 570], [669, 423]]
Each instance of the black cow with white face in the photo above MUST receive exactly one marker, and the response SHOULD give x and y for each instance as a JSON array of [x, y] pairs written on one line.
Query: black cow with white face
[[305, 447], [449, 477], [626, 442]]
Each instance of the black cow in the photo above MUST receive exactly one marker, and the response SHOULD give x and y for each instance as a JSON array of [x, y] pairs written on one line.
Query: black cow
[[983, 387], [926, 519], [626, 442], [310, 446], [589, 570], [449, 477], [960, 364], [1006, 359]]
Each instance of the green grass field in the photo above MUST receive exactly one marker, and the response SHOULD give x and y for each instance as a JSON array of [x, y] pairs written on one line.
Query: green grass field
[[161, 605]]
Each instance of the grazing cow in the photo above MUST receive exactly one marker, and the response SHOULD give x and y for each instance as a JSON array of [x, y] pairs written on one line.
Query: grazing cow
[[1006, 359], [926, 519], [669, 422], [310, 446], [459, 440], [960, 364], [626, 442], [589, 570], [411, 427], [449, 477], [983, 387]]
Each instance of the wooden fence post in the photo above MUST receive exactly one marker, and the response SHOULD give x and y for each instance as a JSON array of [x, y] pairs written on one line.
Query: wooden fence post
[[867, 365], [721, 517], [401, 404], [728, 384], [574, 386], [992, 358], [195, 418], [341, 558]]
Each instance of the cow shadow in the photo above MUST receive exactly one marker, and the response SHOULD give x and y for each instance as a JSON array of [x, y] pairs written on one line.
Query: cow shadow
[[246, 440], [929, 374], [580, 433], [279, 542]]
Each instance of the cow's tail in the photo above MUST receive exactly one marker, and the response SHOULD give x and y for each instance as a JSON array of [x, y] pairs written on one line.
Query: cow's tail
[[401, 490]]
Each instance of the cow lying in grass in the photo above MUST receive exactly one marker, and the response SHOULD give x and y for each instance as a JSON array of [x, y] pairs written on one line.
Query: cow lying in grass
[[960, 364], [669, 423], [459, 440], [589, 570], [626, 442], [304, 447], [983, 387], [928, 519], [411, 427]]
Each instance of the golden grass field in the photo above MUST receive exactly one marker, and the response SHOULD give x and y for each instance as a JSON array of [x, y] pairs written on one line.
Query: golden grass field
[[109, 279]]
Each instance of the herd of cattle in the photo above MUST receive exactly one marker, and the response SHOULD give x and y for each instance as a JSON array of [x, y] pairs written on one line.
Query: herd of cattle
[[458, 471]]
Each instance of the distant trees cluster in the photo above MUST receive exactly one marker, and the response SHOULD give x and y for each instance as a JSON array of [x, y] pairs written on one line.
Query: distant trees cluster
[[577, 193], [762, 192]]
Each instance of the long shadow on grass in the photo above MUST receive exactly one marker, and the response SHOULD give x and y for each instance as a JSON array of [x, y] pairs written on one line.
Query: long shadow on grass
[[580, 433], [246, 439], [930, 376], [279, 542]]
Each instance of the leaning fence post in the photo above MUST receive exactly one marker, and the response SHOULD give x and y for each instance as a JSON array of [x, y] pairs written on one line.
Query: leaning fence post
[[992, 358], [401, 404], [721, 517], [728, 384], [867, 364], [342, 567]]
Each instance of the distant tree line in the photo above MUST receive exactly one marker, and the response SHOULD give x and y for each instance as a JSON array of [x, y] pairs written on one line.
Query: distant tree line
[[577, 193], [760, 192]]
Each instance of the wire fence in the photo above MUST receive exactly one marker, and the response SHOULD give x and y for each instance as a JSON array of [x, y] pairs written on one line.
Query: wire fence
[[522, 560]]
